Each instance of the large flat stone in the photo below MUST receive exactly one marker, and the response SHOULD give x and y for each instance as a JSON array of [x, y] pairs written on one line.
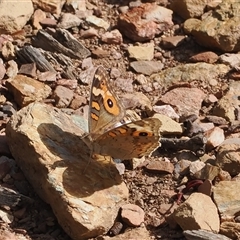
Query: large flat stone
[[84, 193]]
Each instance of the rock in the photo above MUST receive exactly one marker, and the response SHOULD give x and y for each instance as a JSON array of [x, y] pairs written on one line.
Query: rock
[[38, 16], [146, 67], [197, 212], [115, 73], [208, 57], [207, 172], [169, 126], [188, 9], [78, 101], [172, 42], [228, 156], [214, 137], [142, 52], [68, 20], [97, 22], [48, 76], [203, 235], [230, 229], [144, 22], [181, 168], [228, 104], [132, 215], [166, 110], [12, 69], [217, 29], [136, 100], [124, 84], [85, 194], [227, 198], [100, 53], [51, 6], [185, 101], [113, 37], [49, 22], [28, 69], [160, 167], [62, 96], [13, 17], [231, 59], [26, 90], [217, 120], [206, 188], [190, 72], [8, 50], [195, 167], [68, 83], [91, 32], [87, 63]]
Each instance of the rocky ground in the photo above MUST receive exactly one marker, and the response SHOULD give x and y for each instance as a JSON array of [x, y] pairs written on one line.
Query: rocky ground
[[176, 61]]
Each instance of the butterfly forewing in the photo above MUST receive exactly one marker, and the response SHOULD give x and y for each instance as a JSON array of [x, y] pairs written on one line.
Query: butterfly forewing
[[105, 109]]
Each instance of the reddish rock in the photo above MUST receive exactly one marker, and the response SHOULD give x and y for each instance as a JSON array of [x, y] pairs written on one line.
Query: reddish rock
[[38, 16], [208, 57], [144, 22], [160, 166], [132, 214]]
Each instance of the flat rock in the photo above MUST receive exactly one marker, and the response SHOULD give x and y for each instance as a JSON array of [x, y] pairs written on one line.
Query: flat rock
[[186, 101], [228, 156], [14, 16], [227, 198], [26, 90], [51, 6], [132, 214], [197, 212], [215, 137], [85, 194], [142, 52], [190, 72], [146, 67]]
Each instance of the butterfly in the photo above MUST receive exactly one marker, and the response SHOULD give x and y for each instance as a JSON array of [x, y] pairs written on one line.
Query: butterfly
[[110, 131]]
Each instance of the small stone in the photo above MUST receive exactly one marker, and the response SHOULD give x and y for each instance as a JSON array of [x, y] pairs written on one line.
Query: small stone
[[206, 188], [208, 57], [12, 69], [166, 110], [28, 69], [115, 73], [8, 50], [142, 52], [215, 137], [132, 215], [87, 63], [196, 166], [78, 101], [69, 83], [47, 76], [172, 42], [100, 53], [146, 67], [51, 6], [207, 172], [124, 84], [38, 16], [113, 37], [160, 166], [49, 22], [91, 32], [230, 229], [68, 20], [63, 96], [98, 22]]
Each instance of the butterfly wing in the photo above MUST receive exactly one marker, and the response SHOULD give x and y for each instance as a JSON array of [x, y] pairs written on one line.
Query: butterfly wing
[[105, 109], [130, 140]]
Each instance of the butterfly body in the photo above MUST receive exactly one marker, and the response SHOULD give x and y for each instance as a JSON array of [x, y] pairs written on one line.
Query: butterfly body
[[110, 134]]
